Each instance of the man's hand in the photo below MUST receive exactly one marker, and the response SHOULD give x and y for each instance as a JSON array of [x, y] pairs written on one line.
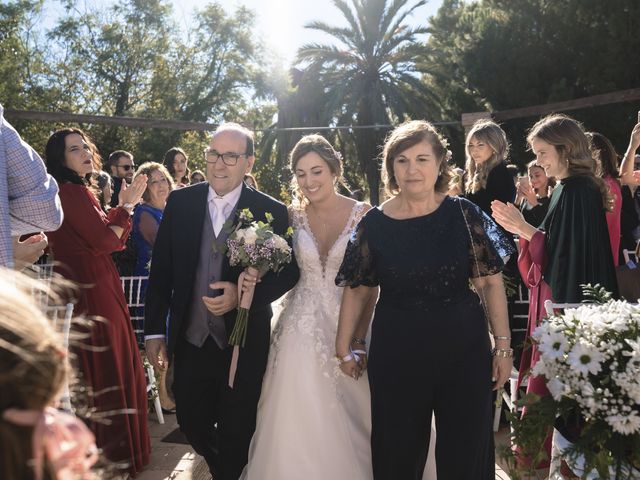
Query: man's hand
[[27, 252], [156, 349], [222, 303]]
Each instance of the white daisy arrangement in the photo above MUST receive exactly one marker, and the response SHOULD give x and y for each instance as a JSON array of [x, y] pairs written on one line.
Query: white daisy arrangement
[[590, 357]]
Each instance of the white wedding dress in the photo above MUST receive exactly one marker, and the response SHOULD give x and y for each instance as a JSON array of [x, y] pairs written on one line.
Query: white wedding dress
[[313, 423]]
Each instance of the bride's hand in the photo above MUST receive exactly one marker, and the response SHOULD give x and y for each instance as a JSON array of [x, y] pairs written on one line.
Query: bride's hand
[[351, 369], [249, 281]]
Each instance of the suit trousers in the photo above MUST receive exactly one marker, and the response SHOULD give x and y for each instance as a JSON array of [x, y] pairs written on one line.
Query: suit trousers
[[204, 399], [199, 375]]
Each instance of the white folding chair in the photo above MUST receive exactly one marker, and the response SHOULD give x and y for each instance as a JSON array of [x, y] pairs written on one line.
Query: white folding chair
[[61, 316], [510, 398], [132, 287], [151, 377], [550, 307], [629, 255]]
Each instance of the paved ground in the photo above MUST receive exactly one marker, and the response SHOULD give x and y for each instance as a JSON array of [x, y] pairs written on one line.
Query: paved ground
[[178, 462]]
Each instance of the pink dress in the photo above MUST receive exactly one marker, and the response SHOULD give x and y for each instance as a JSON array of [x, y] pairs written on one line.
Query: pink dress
[[531, 262], [613, 218]]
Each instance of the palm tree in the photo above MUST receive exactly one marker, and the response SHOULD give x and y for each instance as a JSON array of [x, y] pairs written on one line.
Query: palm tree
[[370, 73]]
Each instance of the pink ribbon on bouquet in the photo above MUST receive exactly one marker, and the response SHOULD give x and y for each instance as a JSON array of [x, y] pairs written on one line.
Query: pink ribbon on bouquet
[[66, 442], [245, 302]]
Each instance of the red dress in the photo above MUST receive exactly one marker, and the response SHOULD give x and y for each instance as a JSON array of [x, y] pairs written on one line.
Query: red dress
[[82, 248], [613, 218]]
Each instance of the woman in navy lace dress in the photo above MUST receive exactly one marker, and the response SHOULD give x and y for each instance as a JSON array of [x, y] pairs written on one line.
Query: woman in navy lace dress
[[430, 350]]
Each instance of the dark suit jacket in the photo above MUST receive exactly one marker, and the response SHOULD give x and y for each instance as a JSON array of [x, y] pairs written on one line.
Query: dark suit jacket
[[175, 256]]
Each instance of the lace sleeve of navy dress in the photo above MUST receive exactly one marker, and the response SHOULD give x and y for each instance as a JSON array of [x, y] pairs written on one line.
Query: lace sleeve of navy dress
[[358, 266], [489, 244]]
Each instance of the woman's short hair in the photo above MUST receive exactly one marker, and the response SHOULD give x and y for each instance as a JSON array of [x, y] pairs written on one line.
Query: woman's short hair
[[55, 152], [169, 157], [320, 146], [406, 136], [569, 139], [489, 132], [147, 169]]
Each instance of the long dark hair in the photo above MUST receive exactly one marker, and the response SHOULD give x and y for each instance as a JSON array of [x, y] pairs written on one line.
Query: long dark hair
[[605, 154], [55, 157], [169, 157]]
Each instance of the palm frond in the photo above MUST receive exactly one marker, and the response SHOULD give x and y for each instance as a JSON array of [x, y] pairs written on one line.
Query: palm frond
[[345, 35]]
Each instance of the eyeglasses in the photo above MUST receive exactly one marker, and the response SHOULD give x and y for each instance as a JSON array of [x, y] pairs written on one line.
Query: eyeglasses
[[229, 158], [126, 167]]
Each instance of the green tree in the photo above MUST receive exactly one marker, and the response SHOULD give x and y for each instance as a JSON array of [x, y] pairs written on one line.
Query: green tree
[[501, 54], [370, 72]]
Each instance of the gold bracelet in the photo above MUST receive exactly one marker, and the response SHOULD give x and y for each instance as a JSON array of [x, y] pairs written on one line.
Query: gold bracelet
[[498, 337], [502, 352]]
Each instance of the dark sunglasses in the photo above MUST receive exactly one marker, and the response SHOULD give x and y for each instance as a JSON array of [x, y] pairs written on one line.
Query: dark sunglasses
[[127, 167]]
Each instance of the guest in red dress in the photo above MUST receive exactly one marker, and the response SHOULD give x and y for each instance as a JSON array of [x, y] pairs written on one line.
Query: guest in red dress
[[607, 169], [111, 366], [572, 247]]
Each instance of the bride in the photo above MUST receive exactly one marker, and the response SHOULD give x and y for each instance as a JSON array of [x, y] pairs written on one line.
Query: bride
[[313, 422]]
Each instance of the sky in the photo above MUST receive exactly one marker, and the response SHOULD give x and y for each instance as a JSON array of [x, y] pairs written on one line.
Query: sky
[[282, 21], [279, 22]]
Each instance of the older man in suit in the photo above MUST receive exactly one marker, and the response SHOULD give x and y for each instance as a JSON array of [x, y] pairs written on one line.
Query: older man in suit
[[192, 284]]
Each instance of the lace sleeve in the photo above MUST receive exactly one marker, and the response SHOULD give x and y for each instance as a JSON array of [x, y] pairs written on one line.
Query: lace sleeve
[[489, 244], [358, 266]]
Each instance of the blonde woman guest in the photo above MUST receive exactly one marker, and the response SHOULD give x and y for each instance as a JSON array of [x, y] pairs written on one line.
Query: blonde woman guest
[[148, 215], [33, 375], [430, 350], [487, 176]]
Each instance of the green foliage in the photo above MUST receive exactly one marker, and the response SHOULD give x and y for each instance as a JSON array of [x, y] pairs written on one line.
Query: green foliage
[[369, 73], [129, 58], [504, 54]]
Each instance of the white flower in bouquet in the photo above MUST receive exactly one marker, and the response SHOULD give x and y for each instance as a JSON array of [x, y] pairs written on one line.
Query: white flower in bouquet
[[585, 358], [281, 243], [624, 424], [250, 234], [554, 345], [557, 388]]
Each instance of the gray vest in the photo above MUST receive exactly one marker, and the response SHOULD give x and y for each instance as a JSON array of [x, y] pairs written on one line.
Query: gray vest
[[201, 322]]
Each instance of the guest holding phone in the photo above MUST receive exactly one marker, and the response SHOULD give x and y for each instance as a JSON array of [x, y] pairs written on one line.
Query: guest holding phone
[[533, 193]]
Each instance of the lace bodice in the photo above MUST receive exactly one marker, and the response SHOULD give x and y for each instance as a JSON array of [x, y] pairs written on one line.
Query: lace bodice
[[424, 262], [316, 271], [310, 311]]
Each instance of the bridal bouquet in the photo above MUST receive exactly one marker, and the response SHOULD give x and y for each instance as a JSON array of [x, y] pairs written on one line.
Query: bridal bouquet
[[254, 246], [590, 357]]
